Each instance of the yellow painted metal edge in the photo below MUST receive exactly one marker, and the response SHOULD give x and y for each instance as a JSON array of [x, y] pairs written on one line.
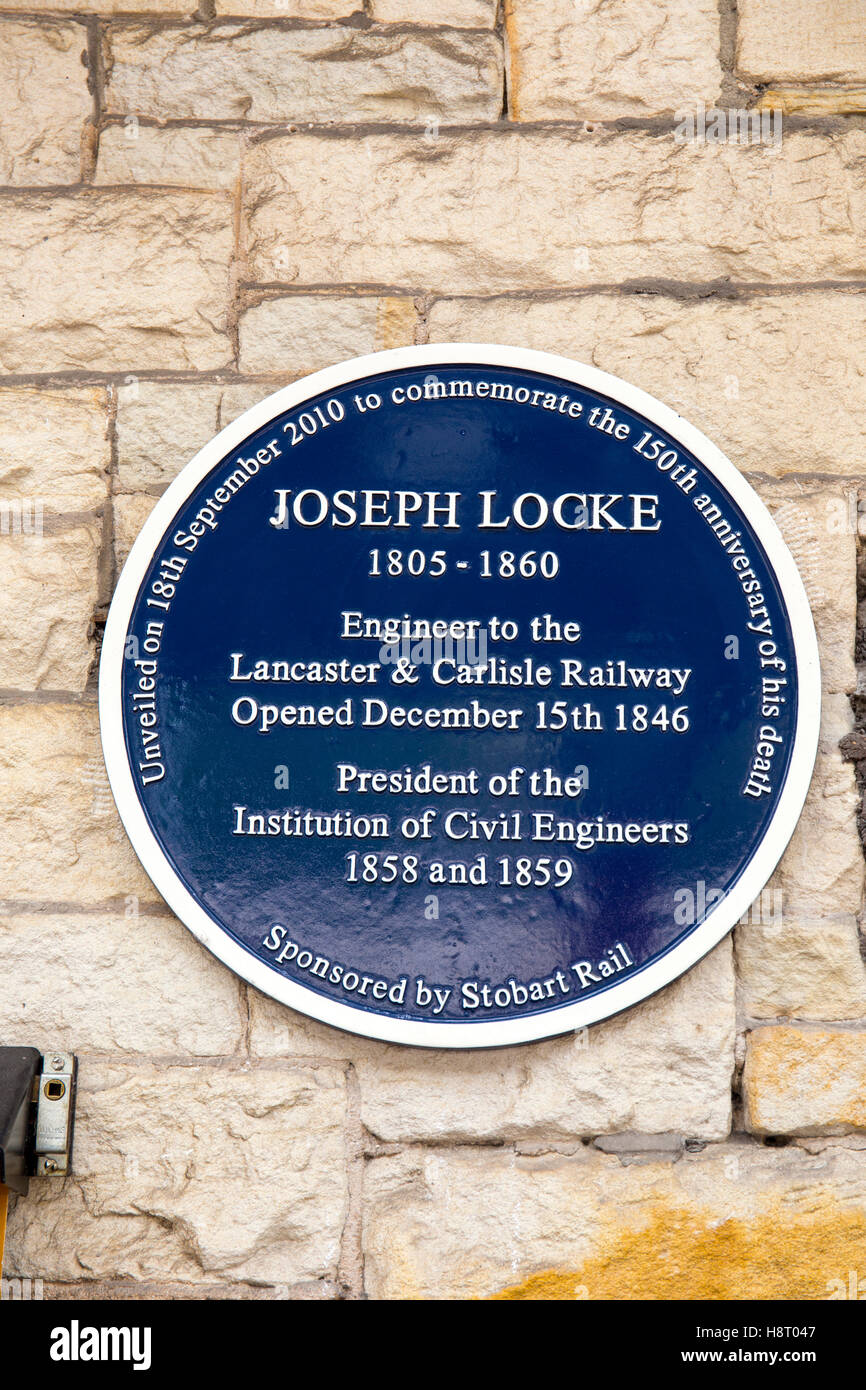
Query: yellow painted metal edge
[[4, 1200]]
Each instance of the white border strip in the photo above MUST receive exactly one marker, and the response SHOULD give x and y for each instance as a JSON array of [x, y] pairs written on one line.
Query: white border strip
[[634, 987]]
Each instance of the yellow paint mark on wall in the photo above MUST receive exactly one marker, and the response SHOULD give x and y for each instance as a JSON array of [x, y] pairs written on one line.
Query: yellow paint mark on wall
[[4, 1198], [680, 1254], [819, 101], [513, 68], [395, 322]]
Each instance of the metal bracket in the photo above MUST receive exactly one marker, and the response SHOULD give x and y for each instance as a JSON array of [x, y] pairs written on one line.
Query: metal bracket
[[37, 1107], [54, 1114]]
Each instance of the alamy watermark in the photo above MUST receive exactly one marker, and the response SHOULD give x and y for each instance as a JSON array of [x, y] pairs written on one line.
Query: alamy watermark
[[21, 517], [692, 904], [23, 1290], [845, 515], [713, 125], [447, 651], [852, 1286]]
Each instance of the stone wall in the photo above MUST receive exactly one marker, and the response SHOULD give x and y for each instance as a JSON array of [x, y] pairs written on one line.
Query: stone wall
[[200, 206]]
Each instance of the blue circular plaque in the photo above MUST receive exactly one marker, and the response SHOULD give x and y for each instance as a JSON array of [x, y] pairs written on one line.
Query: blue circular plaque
[[459, 696]]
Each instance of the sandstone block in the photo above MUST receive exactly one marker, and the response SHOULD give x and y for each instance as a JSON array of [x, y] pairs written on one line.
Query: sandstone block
[[797, 40], [591, 59], [665, 1065], [133, 1291], [328, 74], [130, 513], [821, 872], [799, 967], [49, 586], [162, 425], [737, 1221], [193, 1173], [54, 447], [178, 155], [240, 396], [463, 14], [805, 1081], [746, 371], [290, 9], [162, 306], [302, 333], [61, 839], [260, 9], [817, 521], [581, 210], [45, 102], [185, 8], [124, 981]]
